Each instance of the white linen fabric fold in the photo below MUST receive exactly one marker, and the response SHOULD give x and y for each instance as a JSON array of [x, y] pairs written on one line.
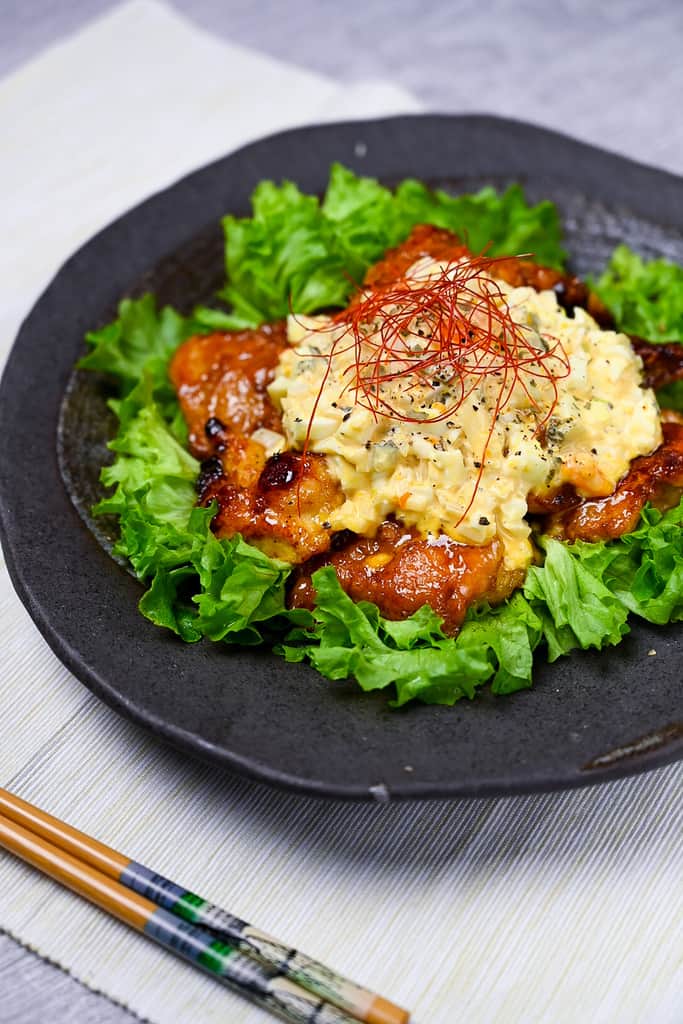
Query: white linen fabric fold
[[122, 109], [559, 907]]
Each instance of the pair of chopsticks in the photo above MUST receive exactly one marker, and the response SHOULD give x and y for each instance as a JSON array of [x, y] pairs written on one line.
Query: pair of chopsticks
[[256, 965]]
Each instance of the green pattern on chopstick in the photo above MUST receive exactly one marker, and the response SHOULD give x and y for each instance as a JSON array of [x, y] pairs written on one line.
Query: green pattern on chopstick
[[300, 969], [279, 978], [265, 985]]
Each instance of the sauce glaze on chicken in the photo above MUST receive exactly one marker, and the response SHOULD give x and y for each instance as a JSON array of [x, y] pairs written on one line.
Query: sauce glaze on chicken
[[283, 503]]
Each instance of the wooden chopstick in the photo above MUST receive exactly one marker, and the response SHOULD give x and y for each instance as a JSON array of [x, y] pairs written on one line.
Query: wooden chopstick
[[262, 985], [213, 938]]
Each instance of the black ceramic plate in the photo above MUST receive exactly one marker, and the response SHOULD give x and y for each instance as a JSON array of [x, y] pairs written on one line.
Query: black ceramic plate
[[589, 718]]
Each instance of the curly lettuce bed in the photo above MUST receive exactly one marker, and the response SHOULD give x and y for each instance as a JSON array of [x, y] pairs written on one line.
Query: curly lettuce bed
[[298, 253]]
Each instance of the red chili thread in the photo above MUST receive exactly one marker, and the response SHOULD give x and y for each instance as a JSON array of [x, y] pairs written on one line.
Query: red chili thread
[[470, 335]]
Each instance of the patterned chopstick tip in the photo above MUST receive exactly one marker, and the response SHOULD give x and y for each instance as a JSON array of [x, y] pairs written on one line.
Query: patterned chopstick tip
[[233, 934], [267, 987]]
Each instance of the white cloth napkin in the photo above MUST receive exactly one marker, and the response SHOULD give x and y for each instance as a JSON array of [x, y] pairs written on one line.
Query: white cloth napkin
[[555, 908]]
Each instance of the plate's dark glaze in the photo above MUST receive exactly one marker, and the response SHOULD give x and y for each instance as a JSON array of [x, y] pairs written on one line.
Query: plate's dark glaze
[[590, 717]]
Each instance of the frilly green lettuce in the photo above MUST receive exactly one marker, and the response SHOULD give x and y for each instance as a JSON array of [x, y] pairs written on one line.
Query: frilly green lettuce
[[296, 253]]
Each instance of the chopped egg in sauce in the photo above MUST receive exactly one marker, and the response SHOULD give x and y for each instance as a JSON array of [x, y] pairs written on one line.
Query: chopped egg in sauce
[[447, 402]]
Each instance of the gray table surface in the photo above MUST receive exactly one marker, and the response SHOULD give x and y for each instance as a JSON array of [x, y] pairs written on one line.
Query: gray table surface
[[611, 74]]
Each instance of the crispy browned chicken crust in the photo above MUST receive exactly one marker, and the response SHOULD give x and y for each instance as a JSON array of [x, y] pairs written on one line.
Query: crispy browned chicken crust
[[662, 363], [439, 244], [400, 572], [282, 503], [657, 478], [223, 377]]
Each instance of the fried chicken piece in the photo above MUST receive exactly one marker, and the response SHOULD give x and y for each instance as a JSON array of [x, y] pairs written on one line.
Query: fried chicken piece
[[280, 504], [225, 376], [570, 291], [671, 416], [657, 478], [553, 502], [424, 240], [662, 363], [400, 572], [440, 244]]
